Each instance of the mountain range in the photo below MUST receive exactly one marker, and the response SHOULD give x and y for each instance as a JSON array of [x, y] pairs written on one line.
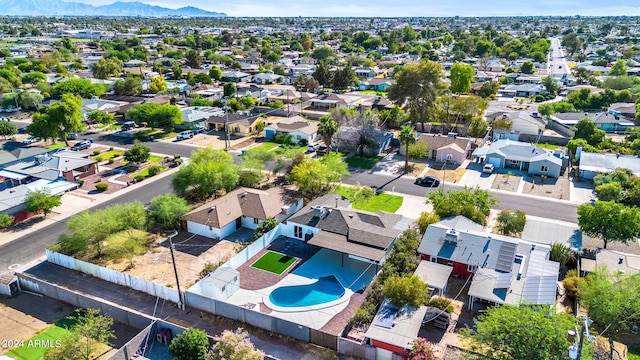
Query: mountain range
[[119, 8]]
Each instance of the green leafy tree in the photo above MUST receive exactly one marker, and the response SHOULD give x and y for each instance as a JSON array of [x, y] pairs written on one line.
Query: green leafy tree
[[158, 84], [545, 110], [418, 86], [344, 77], [322, 53], [59, 119], [474, 204], [41, 200], [29, 100], [80, 87], [193, 59], [131, 85], [522, 333], [101, 117], [425, 219], [407, 137], [137, 154], [587, 129], [91, 330], [406, 289], [327, 128], [610, 192], [609, 221], [527, 67], [561, 253], [168, 209], [619, 68], [550, 84], [215, 73], [164, 116], [6, 220], [461, 76], [613, 302], [106, 68], [234, 346], [192, 344], [359, 194], [314, 177], [8, 129], [265, 226], [478, 127], [323, 74], [33, 77], [208, 172], [229, 89], [511, 223], [488, 89], [418, 150], [502, 123]]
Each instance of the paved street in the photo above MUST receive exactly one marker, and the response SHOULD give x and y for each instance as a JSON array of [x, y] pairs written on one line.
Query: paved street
[[30, 247], [557, 63], [547, 208]]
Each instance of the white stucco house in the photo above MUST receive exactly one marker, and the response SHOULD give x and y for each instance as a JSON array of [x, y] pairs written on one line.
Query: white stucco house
[[299, 127], [242, 208], [524, 157]]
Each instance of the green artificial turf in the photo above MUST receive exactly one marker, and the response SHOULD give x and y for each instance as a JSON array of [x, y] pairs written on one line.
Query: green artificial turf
[[385, 202], [38, 345], [274, 262]]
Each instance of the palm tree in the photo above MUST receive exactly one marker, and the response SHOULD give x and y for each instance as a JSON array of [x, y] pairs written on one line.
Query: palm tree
[[327, 128], [407, 137], [365, 141]]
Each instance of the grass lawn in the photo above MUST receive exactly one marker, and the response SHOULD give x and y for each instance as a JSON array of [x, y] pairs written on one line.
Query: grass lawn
[[290, 151], [385, 202], [366, 163], [548, 146], [274, 262], [145, 172], [634, 352], [38, 345], [55, 146], [154, 158], [268, 145], [108, 155]]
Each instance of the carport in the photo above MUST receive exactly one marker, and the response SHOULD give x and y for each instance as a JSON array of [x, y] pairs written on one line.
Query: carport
[[434, 275]]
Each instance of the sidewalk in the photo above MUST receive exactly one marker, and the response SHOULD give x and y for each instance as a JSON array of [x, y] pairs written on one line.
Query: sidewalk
[[74, 203]]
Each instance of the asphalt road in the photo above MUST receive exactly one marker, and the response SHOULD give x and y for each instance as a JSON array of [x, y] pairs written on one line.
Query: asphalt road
[[557, 63], [30, 247], [531, 206], [161, 147]]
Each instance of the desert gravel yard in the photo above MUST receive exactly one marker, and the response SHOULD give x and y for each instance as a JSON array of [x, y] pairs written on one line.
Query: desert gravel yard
[[506, 182], [549, 187]]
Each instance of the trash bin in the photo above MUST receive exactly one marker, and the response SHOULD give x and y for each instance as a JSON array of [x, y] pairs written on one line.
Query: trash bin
[[91, 140]]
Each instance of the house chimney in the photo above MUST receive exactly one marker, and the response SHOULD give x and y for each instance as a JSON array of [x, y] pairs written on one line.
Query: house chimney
[[337, 202], [620, 261]]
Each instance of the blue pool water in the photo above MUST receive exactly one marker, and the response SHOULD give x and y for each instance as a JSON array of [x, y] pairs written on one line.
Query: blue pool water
[[324, 290]]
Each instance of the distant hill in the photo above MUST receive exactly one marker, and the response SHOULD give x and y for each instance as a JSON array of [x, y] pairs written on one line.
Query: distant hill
[[119, 8]]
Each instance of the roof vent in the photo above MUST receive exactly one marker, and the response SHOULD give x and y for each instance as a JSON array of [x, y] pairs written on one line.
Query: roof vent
[[620, 261], [318, 211], [350, 216], [244, 193], [285, 210], [213, 208], [451, 236]]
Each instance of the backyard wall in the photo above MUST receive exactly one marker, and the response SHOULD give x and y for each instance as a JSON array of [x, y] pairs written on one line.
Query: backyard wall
[[113, 276], [255, 247], [351, 348]]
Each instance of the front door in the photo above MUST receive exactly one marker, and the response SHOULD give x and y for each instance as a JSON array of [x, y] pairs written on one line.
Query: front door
[[238, 223], [14, 289]]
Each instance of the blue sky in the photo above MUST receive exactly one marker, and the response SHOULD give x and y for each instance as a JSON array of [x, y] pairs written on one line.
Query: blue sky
[[402, 8]]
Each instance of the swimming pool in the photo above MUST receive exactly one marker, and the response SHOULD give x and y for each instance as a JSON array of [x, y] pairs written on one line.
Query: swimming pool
[[324, 290]]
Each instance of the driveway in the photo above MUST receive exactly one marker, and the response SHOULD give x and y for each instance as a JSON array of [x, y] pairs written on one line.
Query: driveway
[[475, 177]]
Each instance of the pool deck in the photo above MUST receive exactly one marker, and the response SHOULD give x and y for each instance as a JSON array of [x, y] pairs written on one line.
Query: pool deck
[[256, 285]]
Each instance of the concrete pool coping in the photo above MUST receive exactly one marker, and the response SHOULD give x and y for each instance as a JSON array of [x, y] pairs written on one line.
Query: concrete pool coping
[[266, 299]]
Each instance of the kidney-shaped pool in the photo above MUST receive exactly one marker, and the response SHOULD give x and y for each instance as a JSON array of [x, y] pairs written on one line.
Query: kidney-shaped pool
[[324, 290]]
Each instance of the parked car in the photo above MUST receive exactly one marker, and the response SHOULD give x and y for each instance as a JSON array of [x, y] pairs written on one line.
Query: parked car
[[30, 140], [72, 136], [322, 149], [198, 129], [188, 134], [58, 150], [428, 181], [128, 125], [488, 168], [82, 145], [313, 147]]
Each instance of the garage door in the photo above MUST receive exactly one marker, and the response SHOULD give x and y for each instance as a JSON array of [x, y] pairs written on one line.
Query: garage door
[[382, 354], [269, 134], [497, 162]]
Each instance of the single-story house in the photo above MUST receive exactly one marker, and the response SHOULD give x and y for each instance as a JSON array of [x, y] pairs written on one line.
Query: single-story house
[[594, 89], [374, 102], [242, 208], [440, 147], [13, 152], [524, 157], [328, 101], [239, 124], [12, 200], [100, 104], [607, 121], [266, 78], [592, 164], [367, 72], [67, 165], [522, 90], [193, 116], [375, 84], [328, 223], [234, 76], [624, 109], [299, 127], [522, 123], [505, 270], [291, 96]]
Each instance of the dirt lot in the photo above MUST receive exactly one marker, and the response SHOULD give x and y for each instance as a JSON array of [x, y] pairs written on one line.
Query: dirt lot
[[24, 316], [415, 169], [191, 254], [549, 187], [506, 182], [453, 173]]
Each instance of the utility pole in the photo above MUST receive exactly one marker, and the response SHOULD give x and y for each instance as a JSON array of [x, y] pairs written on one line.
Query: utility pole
[[226, 125], [175, 270], [575, 350]]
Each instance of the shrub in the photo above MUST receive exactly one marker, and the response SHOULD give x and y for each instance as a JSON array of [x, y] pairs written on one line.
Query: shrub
[[208, 268], [102, 186], [5, 221], [176, 157], [138, 177], [441, 303], [303, 142], [96, 152], [111, 161], [264, 227], [178, 161], [154, 170], [249, 178], [572, 283], [80, 182], [111, 148]]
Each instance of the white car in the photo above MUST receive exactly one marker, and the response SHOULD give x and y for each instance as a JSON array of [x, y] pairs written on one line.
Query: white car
[[488, 168], [188, 134]]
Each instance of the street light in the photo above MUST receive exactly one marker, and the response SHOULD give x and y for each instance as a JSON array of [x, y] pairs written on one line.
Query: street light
[[444, 169]]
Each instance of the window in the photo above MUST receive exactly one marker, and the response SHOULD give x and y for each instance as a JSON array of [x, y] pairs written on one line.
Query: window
[[544, 168], [297, 232], [256, 221], [249, 129], [298, 137], [434, 259], [472, 268], [224, 288]]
